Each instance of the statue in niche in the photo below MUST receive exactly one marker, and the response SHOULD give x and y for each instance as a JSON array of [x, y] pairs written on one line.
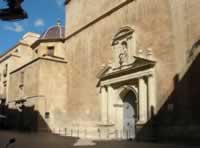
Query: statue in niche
[[123, 56]]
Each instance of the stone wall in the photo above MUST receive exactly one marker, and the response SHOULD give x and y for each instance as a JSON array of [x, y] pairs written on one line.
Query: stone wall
[[44, 78], [53, 86], [42, 49], [90, 47], [15, 58], [170, 28], [30, 83]]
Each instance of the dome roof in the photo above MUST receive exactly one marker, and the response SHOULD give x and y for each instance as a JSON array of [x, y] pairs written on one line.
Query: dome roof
[[54, 32]]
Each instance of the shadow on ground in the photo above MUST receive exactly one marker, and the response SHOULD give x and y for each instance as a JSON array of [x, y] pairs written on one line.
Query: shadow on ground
[[47, 140], [35, 140], [24, 118]]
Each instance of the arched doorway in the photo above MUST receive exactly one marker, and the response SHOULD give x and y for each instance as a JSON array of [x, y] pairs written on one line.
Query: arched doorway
[[129, 114]]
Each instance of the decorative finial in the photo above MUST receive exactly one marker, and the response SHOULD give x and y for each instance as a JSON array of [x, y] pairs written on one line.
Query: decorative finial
[[59, 22], [140, 52], [149, 53]]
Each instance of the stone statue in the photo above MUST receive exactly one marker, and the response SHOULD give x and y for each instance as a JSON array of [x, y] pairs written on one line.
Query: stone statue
[[123, 56]]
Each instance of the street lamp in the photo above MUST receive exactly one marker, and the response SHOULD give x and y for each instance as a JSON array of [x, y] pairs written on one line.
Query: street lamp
[[13, 12]]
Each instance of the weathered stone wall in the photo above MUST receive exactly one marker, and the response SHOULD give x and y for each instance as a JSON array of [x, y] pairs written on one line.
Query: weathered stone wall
[[46, 78], [15, 58], [53, 86], [91, 47], [25, 54], [80, 13], [30, 82], [184, 22]]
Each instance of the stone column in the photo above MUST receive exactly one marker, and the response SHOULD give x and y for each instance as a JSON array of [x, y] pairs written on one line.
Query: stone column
[[103, 104], [110, 104], [151, 95], [142, 100]]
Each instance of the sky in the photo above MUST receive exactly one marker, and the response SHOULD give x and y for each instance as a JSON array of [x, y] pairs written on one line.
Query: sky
[[42, 14]]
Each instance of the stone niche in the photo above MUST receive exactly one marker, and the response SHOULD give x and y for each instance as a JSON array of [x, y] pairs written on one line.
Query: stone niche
[[123, 45]]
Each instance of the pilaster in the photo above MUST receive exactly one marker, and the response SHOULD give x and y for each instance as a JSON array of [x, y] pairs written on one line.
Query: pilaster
[[142, 100], [151, 95]]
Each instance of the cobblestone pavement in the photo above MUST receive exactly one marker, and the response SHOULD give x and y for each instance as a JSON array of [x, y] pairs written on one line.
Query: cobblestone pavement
[[46, 140]]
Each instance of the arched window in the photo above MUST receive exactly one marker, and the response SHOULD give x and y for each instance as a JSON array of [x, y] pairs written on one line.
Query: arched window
[[124, 46]]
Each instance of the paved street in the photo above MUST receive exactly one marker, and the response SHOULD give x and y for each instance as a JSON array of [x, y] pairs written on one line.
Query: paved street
[[45, 140]]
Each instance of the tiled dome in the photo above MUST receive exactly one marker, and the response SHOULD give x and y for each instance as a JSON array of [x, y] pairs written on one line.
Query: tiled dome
[[54, 32]]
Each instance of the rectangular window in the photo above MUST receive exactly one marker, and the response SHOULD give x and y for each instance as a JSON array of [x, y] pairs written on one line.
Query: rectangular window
[[47, 114], [5, 89], [22, 78], [50, 51], [21, 84], [5, 71]]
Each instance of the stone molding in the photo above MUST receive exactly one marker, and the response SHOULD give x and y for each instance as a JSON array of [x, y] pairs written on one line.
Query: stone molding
[[12, 48], [7, 57], [37, 59], [127, 77], [123, 32], [36, 43]]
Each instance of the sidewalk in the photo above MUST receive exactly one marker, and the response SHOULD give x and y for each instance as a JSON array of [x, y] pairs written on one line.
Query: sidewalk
[[46, 140]]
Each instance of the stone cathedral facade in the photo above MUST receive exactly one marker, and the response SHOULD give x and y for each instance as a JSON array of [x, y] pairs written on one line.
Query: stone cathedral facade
[[115, 67]]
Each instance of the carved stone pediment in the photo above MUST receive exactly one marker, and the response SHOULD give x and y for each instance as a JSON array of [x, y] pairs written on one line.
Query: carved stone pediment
[[103, 70], [124, 32], [138, 65]]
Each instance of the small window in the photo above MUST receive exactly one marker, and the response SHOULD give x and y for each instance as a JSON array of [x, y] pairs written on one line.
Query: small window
[[16, 51], [5, 89], [21, 84], [5, 83], [50, 51], [36, 51], [22, 78], [5, 71], [47, 114]]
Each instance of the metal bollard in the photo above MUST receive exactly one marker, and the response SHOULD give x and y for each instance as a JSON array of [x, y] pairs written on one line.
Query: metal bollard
[[78, 132], [127, 136], [85, 133], [108, 133], [99, 132], [71, 132], [65, 131], [116, 134]]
